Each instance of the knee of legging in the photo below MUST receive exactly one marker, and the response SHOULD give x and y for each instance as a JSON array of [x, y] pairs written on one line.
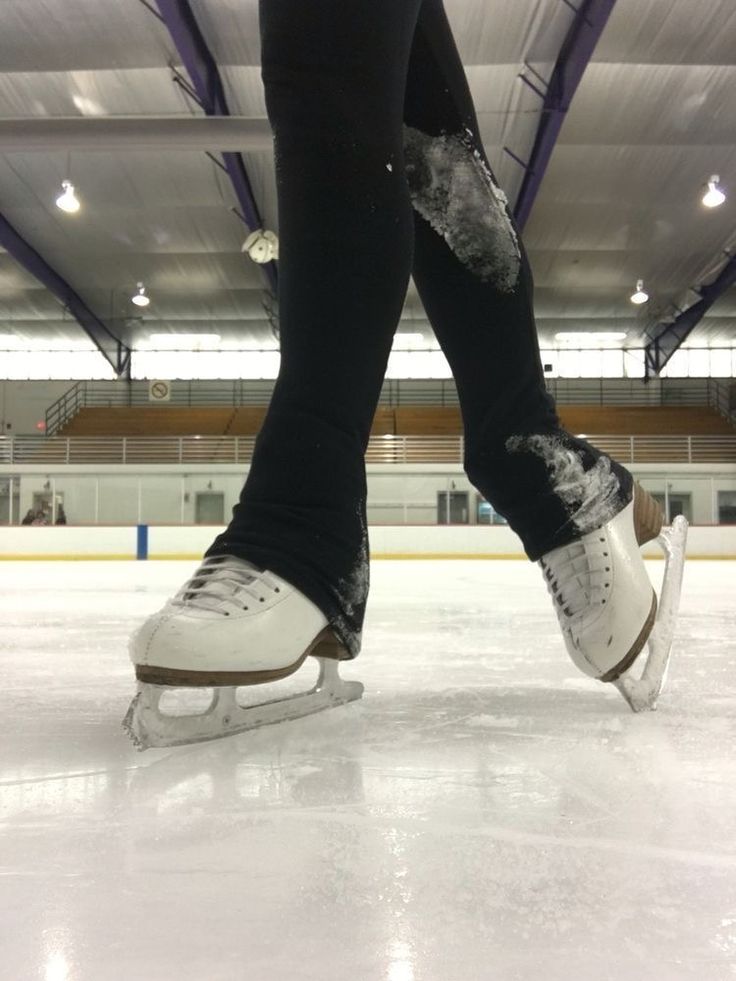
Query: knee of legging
[[452, 187]]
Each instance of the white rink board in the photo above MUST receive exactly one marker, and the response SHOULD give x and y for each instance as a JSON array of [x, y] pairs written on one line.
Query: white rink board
[[191, 541], [68, 541]]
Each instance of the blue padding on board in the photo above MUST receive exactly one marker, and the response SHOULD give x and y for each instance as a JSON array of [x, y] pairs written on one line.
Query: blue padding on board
[[142, 544]]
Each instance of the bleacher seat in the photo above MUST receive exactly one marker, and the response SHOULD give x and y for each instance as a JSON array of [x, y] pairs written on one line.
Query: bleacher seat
[[409, 420]]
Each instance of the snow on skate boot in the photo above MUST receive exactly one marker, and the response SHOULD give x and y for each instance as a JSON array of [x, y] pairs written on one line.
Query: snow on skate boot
[[230, 625], [606, 605]]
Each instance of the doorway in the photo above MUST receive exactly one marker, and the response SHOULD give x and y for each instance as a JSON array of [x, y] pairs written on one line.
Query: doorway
[[727, 507], [452, 508], [678, 504], [209, 508], [9, 501]]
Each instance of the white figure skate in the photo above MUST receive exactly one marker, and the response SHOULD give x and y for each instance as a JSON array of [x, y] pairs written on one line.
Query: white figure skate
[[231, 624], [606, 605]]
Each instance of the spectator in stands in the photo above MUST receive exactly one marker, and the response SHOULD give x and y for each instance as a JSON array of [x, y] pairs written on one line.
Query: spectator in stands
[[41, 518], [60, 515], [30, 515]]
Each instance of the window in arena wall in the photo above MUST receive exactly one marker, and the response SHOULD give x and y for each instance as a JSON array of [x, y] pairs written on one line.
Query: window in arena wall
[[54, 365], [612, 364], [677, 366], [633, 363], [206, 364], [698, 363], [264, 364], [722, 363], [692, 362], [568, 364], [418, 364], [589, 364]]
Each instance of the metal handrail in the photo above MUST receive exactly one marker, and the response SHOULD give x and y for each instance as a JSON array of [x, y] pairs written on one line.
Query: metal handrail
[[175, 450], [64, 408], [722, 398], [395, 392]]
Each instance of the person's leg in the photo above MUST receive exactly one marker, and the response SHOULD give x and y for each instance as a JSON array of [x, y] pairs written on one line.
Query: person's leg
[[334, 73], [575, 509], [476, 285]]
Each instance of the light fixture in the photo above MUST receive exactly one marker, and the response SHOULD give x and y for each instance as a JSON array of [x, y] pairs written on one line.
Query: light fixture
[[140, 299], [590, 337], [640, 296], [184, 342], [68, 200], [88, 107], [714, 195]]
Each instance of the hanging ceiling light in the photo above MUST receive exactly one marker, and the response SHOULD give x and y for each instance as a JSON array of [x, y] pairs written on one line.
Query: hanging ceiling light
[[140, 299], [68, 200], [640, 296], [714, 195]]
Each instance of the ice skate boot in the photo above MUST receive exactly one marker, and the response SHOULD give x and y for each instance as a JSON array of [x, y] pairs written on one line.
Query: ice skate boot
[[606, 605], [231, 624]]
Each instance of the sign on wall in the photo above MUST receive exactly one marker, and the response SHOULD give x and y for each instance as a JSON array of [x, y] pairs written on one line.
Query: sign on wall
[[159, 391]]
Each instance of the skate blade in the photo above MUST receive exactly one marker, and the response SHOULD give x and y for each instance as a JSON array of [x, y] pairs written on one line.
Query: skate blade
[[150, 728], [642, 692]]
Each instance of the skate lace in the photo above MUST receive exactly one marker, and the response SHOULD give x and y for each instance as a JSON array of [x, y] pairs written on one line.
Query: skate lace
[[578, 578], [225, 585]]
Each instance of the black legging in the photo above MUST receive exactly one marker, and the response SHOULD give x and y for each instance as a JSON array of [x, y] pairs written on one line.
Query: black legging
[[381, 173]]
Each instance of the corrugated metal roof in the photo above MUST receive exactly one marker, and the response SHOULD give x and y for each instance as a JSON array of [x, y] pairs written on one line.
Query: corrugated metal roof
[[654, 117]]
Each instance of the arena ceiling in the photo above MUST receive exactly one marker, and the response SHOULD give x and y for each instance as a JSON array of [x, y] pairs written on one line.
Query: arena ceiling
[[652, 119]]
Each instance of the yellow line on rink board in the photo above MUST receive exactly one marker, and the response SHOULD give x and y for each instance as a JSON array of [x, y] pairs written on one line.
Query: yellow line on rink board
[[379, 556], [518, 556], [404, 556]]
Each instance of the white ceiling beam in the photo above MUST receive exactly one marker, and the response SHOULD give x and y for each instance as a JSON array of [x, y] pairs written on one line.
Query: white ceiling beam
[[121, 133]]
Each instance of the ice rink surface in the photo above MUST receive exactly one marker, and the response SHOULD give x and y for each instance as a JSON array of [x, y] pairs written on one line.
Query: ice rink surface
[[484, 814]]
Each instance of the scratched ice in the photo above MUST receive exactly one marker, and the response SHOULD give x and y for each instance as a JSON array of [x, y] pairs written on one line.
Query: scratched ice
[[484, 814]]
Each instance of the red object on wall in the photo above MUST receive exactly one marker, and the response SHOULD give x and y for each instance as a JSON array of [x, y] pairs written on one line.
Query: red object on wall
[[41, 425]]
